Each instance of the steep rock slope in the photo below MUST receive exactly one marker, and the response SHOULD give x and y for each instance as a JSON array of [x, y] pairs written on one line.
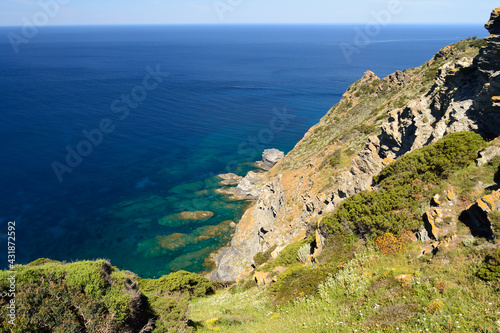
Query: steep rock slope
[[376, 121]]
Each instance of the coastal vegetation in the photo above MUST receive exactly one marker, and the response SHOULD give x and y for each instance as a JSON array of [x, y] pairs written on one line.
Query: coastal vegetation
[[370, 276], [418, 250]]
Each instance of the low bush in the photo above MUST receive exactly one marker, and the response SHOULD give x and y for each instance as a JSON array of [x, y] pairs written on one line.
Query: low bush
[[299, 281], [262, 257], [490, 270], [180, 282], [288, 256], [403, 187], [85, 296], [390, 244], [172, 314]]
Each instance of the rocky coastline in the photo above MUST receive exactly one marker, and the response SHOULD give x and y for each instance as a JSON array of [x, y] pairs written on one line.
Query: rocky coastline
[[382, 119]]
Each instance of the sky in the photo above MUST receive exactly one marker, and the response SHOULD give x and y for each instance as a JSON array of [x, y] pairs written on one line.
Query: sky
[[113, 12]]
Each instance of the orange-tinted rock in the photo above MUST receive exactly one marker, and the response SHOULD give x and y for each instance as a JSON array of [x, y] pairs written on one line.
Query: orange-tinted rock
[[489, 202], [436, 200], [405, 279], [262, 278], [432, 217], [244, 273], [493, 25], [451, 195], [386, 161]]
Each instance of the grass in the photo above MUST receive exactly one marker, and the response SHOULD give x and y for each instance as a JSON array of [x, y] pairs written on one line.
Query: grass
[[365, 296], [385, 285]]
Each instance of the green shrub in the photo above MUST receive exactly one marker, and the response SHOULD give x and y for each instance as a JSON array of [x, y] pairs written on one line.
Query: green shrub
[[335, 159], [172, 314], [180, 282], [303, 253], [41, 261], [262, 257], [403, 188], [79, 297], [494, 218], [490, 270], [435, 161], [299, 281], [478, 43], [288, 256]]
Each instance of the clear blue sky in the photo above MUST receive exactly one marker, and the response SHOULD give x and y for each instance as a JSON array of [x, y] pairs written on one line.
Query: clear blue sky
[[91, 12]]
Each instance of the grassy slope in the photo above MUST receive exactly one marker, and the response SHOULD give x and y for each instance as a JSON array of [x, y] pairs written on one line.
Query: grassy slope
[[360, 288]]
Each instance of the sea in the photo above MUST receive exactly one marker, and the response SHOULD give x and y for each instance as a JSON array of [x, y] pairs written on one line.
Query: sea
[[108, 132]]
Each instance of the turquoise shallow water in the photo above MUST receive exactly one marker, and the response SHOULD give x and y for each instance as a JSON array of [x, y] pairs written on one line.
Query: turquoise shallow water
[[212, 113]]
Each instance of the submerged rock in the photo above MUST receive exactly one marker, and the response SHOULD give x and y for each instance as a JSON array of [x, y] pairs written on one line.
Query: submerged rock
[[185, 216], [230, 179], [162, 244]]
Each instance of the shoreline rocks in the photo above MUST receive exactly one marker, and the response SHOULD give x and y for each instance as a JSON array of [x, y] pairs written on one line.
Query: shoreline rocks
[[246, 188]]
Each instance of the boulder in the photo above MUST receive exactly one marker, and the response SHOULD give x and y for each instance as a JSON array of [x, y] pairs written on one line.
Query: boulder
[[451, 196], [432, 217], [269, 158], [487, 155], [262, 278], [476, 217], [493, 25], [246, 189]]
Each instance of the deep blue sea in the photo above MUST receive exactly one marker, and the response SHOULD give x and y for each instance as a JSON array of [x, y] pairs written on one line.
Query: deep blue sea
[[154, 113]]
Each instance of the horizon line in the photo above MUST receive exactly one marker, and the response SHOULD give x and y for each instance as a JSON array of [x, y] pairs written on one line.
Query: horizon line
[[233, 24]]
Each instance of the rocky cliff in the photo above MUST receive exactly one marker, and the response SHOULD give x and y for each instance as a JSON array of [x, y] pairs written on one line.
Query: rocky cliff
[[376, 121]]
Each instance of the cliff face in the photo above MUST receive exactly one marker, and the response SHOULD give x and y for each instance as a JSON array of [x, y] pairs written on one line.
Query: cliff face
[[376, 121]]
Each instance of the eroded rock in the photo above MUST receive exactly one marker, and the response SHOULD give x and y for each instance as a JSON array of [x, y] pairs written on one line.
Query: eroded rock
[[476, 217], [269, 158], [487, 155]]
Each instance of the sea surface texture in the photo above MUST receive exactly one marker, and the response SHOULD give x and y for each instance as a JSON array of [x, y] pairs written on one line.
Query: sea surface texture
[[107, 133]]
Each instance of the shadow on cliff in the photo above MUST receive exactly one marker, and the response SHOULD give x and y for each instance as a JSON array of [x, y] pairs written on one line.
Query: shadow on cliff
[[476, 218]]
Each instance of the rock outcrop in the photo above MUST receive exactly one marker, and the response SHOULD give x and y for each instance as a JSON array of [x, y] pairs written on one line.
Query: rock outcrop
[[247, 188], [477, 215], [487, 103], [487, 155], [269, 158], [376, 121]]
